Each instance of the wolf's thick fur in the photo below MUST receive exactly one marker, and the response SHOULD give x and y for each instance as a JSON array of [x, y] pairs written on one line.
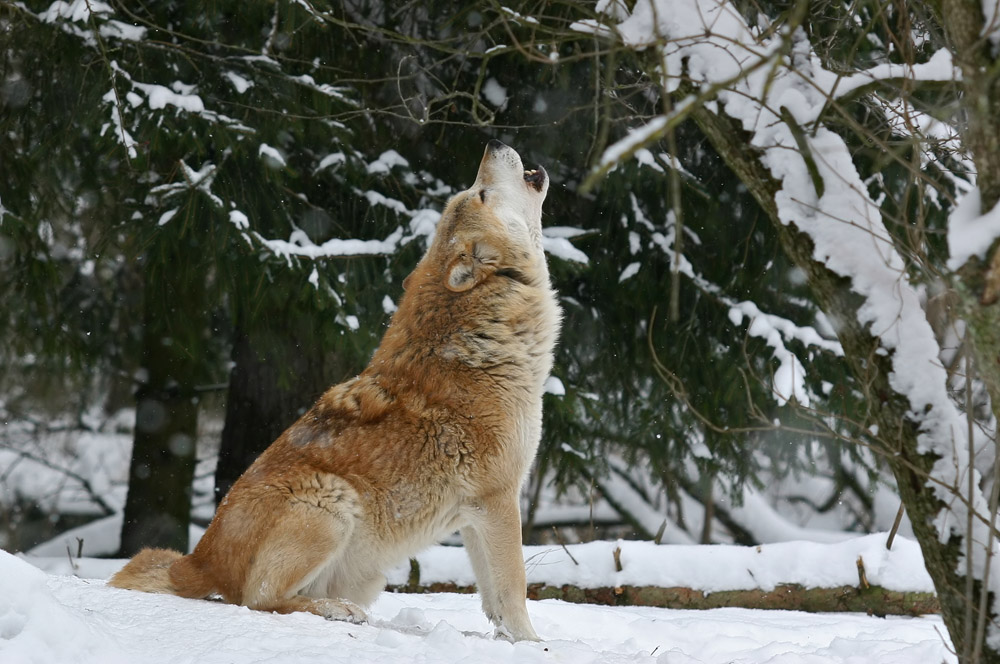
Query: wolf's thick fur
[[437, 434]]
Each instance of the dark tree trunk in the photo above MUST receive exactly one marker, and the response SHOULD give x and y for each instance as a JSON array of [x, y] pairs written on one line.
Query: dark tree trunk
[[158, 506], [278, 371]]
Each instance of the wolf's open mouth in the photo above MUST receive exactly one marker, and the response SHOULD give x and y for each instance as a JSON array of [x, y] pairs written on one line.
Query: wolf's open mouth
[[536, 178]]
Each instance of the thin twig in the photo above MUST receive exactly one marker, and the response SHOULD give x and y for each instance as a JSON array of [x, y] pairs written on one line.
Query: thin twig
[[555, 531], [895, 526], [69, 554]]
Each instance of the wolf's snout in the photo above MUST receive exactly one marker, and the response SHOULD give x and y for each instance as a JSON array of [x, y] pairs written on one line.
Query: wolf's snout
[[501, 163]]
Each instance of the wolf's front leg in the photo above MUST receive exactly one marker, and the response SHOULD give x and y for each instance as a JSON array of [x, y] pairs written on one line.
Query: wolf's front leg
[[475, 546], [493, 541]]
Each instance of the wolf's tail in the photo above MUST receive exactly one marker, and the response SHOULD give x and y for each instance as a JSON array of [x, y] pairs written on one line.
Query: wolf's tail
[[163, 571]]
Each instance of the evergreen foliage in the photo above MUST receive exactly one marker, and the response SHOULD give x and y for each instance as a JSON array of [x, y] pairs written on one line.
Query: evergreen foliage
[[265, 175]]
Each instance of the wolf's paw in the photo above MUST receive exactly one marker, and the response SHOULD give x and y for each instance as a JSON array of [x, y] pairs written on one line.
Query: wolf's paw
[[339, 609], [514, 630], [503, 634]]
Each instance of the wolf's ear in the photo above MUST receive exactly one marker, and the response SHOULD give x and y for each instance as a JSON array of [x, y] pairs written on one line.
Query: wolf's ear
[[472, 266]]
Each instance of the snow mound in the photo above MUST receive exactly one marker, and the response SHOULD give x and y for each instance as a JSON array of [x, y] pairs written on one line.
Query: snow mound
[[37, 627]]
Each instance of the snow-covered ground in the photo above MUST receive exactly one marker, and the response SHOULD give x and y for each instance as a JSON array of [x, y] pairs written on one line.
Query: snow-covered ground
[[55, 617], [49, 619]]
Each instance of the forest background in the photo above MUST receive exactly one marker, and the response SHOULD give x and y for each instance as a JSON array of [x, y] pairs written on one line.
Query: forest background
[[771, 226]]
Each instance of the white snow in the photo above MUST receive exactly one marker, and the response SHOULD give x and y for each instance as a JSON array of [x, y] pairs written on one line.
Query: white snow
[[766, 525], [271, 155], [331, 159], [201, 179], [122, 135], [308, 81], [788, 381], [561, 248], [494, 93], [520, 18], [37, 626], [378, 198], [556, 241], [617, 151], [240, 84], [48, 618], [630, 271], [299, 244], [166, 216], [970, 232], [77, 10], [567, 232], [112, 29], [385, 162], [554, 386], [161, 97], [239, 219]]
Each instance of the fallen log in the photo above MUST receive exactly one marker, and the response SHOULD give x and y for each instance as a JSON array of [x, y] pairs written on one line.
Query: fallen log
[[860, 598], [788, 597]]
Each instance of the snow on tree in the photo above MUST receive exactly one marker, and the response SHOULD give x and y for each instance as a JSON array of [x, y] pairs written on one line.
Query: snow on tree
[[763, 93]]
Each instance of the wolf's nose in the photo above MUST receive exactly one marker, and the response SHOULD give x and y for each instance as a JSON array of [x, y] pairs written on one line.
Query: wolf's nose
[[495, 145]]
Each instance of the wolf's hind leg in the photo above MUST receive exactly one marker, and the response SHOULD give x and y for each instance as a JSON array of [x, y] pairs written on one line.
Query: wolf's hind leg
[[312, 532]]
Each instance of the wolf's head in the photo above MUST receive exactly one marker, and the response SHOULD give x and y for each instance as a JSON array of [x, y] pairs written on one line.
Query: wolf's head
[[493, 228], [512, 193]]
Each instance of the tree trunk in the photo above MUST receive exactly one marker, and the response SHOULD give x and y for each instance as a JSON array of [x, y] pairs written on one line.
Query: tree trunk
[[158, 506], [871, 368], [979, 283], [278, 371]]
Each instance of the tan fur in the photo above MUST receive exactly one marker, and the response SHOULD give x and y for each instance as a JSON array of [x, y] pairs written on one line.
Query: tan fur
[[435, 435]]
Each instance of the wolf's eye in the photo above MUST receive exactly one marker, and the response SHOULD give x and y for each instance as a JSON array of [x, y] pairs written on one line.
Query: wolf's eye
[[482, 195]]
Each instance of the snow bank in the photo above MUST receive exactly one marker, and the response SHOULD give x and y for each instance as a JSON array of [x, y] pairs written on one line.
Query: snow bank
[[37, 627]]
